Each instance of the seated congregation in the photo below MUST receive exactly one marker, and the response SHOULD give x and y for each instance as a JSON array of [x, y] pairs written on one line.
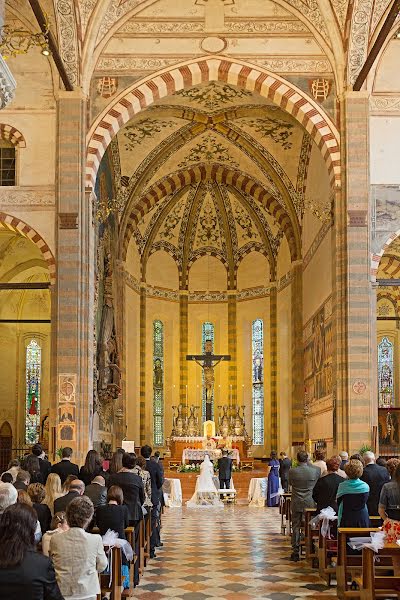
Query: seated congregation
[[344, 514], [62, 526]]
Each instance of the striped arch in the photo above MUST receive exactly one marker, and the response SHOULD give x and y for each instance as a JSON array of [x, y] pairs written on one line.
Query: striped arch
[[15, 224], [207, 252], [11, 134], [376, 258], [202, 70], [215, 172]]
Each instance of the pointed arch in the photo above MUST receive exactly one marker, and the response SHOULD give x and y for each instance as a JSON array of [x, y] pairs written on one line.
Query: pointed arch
[[15, 224], [202, 70], [12, 135], [376, 258]]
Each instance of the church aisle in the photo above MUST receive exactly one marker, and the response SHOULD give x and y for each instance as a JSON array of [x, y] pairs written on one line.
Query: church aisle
[[232, 554]]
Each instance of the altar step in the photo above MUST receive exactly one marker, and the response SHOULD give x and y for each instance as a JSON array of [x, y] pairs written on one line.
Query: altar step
[[241, 480]]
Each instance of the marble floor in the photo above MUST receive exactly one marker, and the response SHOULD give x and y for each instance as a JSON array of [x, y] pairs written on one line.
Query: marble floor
[[235, 554]]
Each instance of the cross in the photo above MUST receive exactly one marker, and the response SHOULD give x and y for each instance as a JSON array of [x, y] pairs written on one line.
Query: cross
[[214, 14], [207, 362]]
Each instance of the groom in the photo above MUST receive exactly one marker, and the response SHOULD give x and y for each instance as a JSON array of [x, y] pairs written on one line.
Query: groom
[[225, 471]]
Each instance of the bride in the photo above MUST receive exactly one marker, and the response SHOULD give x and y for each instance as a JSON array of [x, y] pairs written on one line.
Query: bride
[[206, 494]]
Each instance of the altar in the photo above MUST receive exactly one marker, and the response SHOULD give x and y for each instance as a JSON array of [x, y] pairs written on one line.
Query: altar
[[196, 455]]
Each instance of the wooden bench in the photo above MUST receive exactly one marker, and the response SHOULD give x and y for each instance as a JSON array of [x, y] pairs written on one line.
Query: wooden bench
[[115, 588], [310, 534], [285, 512], [373, 584], [327, 553]]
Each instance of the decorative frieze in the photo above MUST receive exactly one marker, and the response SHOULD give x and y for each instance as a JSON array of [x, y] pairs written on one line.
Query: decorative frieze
[[27, 196], [384, 104]]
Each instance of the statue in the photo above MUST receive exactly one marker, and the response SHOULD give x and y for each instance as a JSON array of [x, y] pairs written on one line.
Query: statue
[[239, 427], [193, 422], [224, 427], [158, 373], [179, 425]]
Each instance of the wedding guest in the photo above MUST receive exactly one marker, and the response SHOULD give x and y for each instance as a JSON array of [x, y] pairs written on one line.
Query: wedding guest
[[22, 481], [13, 467], [340, 470], [58, 524], [44, 463], [53, 491], [284, 465], [67, 483], [325, 490], [392, 465], [8, 496], [302, 479], [320, 461], [375, 476], [65, 467], [37, 494], [389, 511], [24, 573], [116, 462], [140, 469], [132, 487], [77, 488], [344, 459], [6, 478], [92, 468], [357, 456], [352, 497], [77, 555], [273, 481], [97, 491], [24, 498], [32, 465], [381, 461], [156, 491]]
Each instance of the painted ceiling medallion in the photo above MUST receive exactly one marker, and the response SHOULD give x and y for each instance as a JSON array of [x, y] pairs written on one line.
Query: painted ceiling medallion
[[213, 44]]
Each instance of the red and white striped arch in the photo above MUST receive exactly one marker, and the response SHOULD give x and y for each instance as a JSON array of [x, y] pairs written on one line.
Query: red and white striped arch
[[11, 134], [15, 224], [376, 258], [202, 70]]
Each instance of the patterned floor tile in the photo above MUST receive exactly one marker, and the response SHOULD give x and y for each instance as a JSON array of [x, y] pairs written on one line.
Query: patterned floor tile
[[234, 554]]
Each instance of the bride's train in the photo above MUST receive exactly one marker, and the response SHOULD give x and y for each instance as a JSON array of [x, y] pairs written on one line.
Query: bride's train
[[205, 495]]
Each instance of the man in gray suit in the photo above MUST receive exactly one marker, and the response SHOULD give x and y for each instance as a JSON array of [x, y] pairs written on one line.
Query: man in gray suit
[[302, 479]]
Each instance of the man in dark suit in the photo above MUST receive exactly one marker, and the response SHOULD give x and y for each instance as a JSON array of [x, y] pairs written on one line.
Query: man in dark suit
[[22, 481], [97, 491], [225, 471], [157, 481], [77, 488], [65, 467], [376, 477], [284, 466], [302, 479], [45, 465]]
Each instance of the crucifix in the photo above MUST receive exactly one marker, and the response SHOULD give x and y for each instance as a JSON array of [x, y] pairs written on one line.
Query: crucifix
[[207, 362]]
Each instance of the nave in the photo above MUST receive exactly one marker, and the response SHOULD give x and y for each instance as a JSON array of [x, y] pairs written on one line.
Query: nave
[[235, 553]]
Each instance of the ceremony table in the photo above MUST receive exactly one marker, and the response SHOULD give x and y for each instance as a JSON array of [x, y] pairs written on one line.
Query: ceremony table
[[257, 494], [172, 493], [198, 455]]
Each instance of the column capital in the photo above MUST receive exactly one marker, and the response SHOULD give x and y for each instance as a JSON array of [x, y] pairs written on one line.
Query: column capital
[[75, 94]]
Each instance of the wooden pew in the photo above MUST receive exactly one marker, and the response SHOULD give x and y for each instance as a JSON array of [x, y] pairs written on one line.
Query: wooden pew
[[349, 564], [327, 553], [310, 534], [284, 510], [374, 585], [115, 577]]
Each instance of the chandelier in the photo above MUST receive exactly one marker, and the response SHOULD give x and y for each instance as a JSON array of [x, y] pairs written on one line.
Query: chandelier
[[21, 41]]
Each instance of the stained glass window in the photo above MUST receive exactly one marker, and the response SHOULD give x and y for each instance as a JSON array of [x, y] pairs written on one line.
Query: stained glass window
[[257, 344], [207, 334], [158, 383], [33, 371], [385, 373]]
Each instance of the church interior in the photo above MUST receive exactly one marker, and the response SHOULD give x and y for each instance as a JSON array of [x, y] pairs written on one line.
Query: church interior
[[200, 233]]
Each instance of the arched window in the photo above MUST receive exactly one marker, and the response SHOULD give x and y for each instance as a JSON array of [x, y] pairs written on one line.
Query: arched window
[[33, 372], [385, 373], [257, 346], [207, 334], [158, 383]]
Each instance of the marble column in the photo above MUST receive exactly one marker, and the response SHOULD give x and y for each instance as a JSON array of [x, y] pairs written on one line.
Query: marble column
[[297, 352], [142, 363], [355, 325], [272, 443], [73, 297]]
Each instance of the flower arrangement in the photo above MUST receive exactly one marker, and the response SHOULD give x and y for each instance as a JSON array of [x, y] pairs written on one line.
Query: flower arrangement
[[192, 468]]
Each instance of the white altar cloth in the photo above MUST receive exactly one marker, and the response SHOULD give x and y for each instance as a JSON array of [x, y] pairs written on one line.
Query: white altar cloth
[[172, 489], [257, 495], [198, 454]]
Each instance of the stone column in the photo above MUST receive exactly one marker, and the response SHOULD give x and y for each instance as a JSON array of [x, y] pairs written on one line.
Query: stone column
[[297, 352], [183, 344], [232, 347], [272, 443], [354, 323], [142, 363], [72, 350]]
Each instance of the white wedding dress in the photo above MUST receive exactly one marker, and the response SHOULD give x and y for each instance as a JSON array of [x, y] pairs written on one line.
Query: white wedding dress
[[206, 494]]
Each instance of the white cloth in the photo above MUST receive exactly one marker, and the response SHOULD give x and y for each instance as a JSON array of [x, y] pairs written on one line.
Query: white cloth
[[172, 489], [198, 454], [257, 494], [205, 494]]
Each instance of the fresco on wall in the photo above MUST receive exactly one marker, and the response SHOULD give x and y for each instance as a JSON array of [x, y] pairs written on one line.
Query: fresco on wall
[[385, 201], [318, 354]]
